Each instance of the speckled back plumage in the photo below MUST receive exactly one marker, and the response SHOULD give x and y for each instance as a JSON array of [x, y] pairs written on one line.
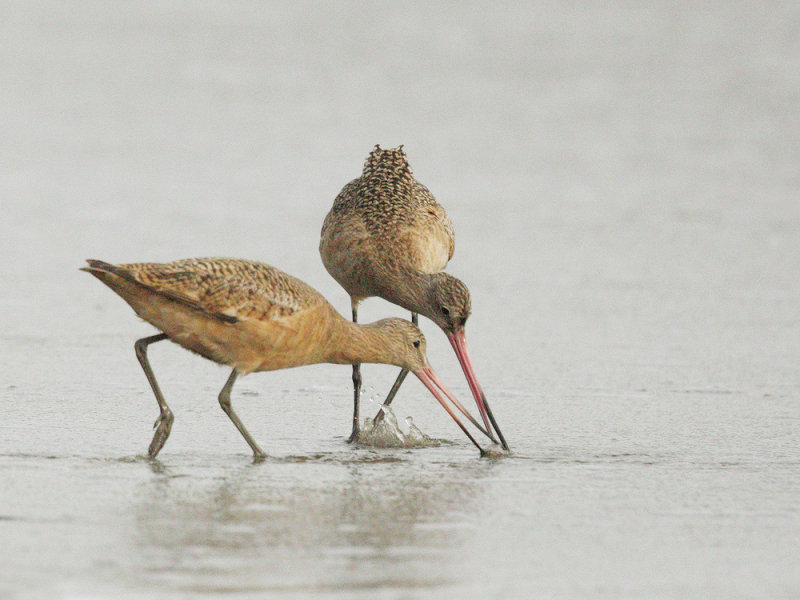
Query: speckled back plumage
[[230, 289], [384, 226], [387, 196]]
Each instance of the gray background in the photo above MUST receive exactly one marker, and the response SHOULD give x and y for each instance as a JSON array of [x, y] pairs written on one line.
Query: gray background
[[623, 179]]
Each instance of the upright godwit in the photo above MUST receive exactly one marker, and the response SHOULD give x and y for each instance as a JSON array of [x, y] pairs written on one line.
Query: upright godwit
[[387, 236], [253, 317]]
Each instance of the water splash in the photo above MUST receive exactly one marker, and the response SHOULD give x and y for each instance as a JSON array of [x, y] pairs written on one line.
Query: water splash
[[495, 451], [388, 434], [415, 434]]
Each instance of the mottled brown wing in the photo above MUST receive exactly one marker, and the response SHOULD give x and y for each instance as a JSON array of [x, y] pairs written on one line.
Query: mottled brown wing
[[228, 289], [438, 223]]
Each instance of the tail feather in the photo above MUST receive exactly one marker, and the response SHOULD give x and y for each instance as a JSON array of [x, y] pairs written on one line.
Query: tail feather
[[97, 265]]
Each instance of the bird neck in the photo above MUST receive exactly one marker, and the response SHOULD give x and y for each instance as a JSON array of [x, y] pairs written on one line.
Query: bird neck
[[351, 343], [408, 288]]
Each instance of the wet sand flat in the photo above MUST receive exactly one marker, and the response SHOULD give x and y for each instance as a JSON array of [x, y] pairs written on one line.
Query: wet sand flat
[[623, 184]]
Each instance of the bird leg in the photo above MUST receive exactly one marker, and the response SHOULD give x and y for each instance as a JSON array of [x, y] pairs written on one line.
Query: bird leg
[[225, 403], [163, 423], [356, 389], [397, 382]]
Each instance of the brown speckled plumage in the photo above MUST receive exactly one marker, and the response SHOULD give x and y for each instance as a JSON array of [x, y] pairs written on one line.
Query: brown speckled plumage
[[387, 236], [227, 287], [388, 199]]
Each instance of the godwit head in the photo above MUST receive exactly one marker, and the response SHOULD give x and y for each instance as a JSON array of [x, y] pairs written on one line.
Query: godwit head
[[448, 303]]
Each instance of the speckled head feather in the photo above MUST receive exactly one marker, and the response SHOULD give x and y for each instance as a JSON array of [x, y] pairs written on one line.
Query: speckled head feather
[[449, 303], [403, 342]]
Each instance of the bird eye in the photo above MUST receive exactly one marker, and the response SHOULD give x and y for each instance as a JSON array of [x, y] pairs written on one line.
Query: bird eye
[[445, 311], [416, 343]]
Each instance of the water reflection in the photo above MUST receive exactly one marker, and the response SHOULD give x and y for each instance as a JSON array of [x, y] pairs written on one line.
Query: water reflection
[[335, 522]]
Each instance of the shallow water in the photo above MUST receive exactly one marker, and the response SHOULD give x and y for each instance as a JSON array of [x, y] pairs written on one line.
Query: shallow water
[[624, 186]]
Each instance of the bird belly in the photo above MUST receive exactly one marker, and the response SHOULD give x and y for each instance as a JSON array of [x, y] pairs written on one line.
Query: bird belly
[[221, 342]]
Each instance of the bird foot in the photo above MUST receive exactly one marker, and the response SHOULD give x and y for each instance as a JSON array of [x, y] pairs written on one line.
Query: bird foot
[[163, 426]]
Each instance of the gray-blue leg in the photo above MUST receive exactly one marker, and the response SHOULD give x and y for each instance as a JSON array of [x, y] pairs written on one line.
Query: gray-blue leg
[[225, 403], [356, 390], [397, 382], [163, 424]]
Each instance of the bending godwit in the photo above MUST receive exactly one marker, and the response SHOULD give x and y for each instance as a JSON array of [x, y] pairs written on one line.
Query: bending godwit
[[387, 236], [253, 317]]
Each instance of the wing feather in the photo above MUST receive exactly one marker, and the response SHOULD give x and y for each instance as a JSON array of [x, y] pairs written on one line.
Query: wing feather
[[229, 290]]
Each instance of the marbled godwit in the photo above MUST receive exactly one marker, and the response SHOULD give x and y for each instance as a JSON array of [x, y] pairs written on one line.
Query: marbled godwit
[[253, 317], [387, 236]]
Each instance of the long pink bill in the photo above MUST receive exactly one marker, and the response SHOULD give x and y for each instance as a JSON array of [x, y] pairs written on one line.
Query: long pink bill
[[459, 406], [431, 381], [459, 342]]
